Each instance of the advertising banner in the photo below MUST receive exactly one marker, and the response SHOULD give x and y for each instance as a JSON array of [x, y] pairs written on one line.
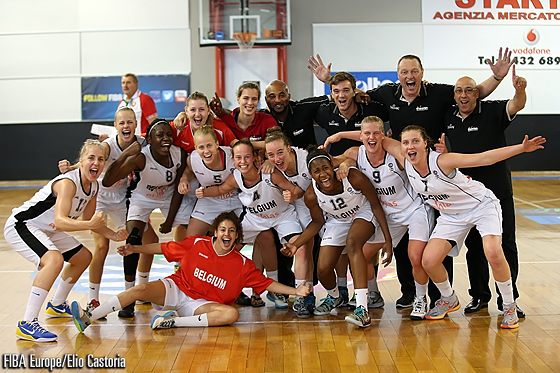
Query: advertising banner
[[101, 95]]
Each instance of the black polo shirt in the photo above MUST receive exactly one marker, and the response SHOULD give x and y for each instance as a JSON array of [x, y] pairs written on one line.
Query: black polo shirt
[[298, 125], [484, 129], [427, 110], [328, 116]]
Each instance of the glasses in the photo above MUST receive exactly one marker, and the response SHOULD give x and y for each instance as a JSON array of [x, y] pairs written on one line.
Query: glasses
[[468, 91]]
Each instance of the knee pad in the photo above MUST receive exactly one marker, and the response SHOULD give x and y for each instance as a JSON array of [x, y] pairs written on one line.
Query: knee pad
[[134, 237], [130, 263]]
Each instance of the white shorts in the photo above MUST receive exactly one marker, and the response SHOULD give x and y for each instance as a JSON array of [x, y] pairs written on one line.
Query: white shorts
[[418, 219], [141, 209], [176, 300], [207, 209], [287, 224], [303, 213], [336, 231], [487, 218], [117, 212], [32, 242]]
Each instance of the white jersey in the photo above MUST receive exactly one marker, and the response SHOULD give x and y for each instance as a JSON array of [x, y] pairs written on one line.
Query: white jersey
[[116, 193], [207, 177], [391, 183], [302, 179], [39, 210], [341, 206], [264, 199], [453, 194], [155, 181]]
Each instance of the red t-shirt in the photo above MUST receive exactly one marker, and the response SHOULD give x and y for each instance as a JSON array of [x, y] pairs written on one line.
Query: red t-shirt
[[185, 140], [256, 131], [205, 274]]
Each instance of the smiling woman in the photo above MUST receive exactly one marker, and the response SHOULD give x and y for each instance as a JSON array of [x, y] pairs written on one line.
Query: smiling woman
[[37, 231], [196, 295]]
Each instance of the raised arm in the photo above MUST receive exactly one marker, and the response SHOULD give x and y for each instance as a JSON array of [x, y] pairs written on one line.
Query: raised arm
[[317, 221], [88, 214], [130, 159], [344, 161], [153, 248], [394, 148], [449, 161], [499, 71], [518, 101], [350, 135], [65, 190], [321, 72]]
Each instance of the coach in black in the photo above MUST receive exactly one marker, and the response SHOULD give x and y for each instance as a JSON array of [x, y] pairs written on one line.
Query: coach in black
[[411, 101], [474, 126], [294, 117], [343, 113]]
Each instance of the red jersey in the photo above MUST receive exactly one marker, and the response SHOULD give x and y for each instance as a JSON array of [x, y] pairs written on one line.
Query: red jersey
[[205, 274], [256, 131], [185, 140]]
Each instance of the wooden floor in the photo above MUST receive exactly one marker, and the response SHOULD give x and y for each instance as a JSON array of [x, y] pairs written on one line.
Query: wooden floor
[[271, 340]]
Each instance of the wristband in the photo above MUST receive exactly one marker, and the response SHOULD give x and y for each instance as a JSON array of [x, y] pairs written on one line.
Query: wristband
[[497, 79]]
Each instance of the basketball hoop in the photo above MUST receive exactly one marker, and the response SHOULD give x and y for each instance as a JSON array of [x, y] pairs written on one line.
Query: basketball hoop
[[245, 40]]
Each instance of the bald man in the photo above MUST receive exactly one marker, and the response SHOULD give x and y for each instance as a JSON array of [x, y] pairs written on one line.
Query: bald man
[[474, 126]]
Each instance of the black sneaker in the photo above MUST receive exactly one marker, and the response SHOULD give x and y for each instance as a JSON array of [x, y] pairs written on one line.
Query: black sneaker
[[127, 312], [301, 310], [405, 301], [343, 290], [243, 300]]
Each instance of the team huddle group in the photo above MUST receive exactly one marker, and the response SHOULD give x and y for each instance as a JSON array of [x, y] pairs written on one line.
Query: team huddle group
[[225, 178]]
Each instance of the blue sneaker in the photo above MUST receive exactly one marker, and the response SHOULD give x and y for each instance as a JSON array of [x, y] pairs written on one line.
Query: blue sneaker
[[343, 290], [33, 331], [279, 300], [61, 310], [360, 317], [329, 304], [82, 318], [165, 321]]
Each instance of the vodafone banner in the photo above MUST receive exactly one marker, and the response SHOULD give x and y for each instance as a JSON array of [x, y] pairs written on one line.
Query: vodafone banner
[[503, 12]]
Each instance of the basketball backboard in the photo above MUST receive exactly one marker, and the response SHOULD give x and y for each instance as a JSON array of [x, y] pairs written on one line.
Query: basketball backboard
[[221, 19]]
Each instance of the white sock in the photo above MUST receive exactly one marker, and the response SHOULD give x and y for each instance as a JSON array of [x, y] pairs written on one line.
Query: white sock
[[129, 284], [444, 288], [342, 281], [298, 283], [143, 277], [37, 297], [273, 275], [112, 305], [334, 292], [94, 291], [506, 289], [361, 297], [62, 291], [372, 285], [421, 290], [196, 320]]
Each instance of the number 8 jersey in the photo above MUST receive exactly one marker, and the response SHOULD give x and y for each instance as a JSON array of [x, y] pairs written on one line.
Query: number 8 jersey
[[155, 181], [342, 206]]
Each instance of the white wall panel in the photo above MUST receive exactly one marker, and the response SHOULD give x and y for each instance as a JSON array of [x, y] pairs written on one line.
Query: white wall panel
[[141, 52], [133, 15], [27, 16], [40, 100], [40, 55]]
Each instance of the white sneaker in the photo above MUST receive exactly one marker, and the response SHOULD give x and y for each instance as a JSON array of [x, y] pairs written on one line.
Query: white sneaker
[[419, 308], [375, 300]]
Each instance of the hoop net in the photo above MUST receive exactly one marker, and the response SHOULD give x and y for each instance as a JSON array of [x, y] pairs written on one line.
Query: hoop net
[[245, 40]]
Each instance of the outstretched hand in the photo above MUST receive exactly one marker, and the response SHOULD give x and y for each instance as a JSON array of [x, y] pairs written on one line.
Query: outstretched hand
[[440, 145], [322, 72], [519, 83], [303, 290], [501, 68], [180, 121], [331, 139], [125, 250], [534, 144]]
